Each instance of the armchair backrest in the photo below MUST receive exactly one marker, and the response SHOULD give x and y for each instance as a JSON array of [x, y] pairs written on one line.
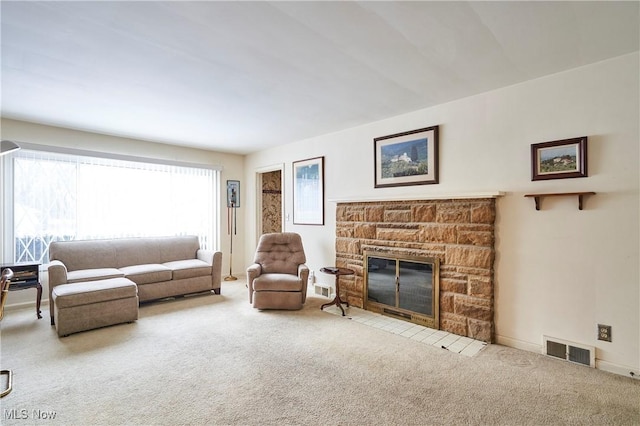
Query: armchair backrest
[[280, 253]]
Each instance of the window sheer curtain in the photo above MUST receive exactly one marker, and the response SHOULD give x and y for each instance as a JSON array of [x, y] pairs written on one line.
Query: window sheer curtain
[[67, 197]]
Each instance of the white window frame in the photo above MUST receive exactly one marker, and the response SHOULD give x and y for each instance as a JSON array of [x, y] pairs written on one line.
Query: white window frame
[[7, 245]]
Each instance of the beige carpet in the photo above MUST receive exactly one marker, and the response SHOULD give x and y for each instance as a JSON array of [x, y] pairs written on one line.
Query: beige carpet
[[215, 360]]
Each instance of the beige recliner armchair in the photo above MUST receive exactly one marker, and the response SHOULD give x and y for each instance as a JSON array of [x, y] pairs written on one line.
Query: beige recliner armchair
[[278, 277]]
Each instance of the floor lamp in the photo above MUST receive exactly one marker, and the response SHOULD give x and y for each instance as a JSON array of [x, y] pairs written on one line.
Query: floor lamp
[[233, 202], [5, 148]]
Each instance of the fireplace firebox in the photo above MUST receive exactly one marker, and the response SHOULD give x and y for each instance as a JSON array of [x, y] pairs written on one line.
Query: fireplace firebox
[[404, 287]]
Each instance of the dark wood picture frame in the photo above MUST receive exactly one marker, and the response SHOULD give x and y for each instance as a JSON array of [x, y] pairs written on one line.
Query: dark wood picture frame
[[308, 191], [408, 158], [561, 159]]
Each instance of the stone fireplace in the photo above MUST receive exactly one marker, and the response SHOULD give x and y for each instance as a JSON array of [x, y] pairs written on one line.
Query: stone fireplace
[[457, 232]]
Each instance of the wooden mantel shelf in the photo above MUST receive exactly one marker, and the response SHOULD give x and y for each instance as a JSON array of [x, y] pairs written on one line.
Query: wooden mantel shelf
[[458, 196], [537, 197]]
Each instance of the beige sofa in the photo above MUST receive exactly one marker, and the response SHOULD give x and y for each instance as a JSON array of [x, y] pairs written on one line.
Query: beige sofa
[[159, 267]]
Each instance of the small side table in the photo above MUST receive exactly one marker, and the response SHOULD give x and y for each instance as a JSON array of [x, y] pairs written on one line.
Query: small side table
[[26, 275], [337, 272]]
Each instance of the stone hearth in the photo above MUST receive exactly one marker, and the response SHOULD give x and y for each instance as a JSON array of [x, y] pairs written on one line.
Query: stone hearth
[[459, 232]]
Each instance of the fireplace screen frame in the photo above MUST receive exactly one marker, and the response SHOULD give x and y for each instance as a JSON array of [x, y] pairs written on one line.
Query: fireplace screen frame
[[396, 311]]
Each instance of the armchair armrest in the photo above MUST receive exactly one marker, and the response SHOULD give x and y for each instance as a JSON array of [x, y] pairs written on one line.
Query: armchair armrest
[[303, 273], [253, 272]]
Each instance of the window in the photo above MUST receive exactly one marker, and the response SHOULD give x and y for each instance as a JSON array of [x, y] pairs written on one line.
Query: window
[[59, 196]]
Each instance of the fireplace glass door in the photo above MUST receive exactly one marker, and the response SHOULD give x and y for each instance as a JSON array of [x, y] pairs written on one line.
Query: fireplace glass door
[[403, 287]]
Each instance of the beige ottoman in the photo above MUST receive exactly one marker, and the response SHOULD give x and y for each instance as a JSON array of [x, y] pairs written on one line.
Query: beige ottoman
[[94, 304]]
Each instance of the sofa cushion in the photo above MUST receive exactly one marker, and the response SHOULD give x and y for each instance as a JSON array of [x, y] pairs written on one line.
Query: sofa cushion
[[149, 273], [179, 248], [277, 282], [93, 274], [85, 293], [136, 251], [87, 254], [188, 268]]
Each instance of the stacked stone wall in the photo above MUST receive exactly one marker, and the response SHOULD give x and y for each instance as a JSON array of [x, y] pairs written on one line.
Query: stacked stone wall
[[460, 233]]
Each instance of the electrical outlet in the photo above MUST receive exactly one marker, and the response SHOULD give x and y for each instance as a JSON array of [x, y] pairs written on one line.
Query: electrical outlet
[[604, 332]]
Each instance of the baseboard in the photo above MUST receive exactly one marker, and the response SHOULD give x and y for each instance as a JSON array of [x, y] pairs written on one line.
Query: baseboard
[[518, 344], [621, 370], [24, 305], [609, 367]]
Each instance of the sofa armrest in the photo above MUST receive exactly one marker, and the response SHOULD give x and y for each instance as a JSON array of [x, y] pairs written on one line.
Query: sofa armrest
[[213, 258], [253, 272], [303, 273], [57, 272]]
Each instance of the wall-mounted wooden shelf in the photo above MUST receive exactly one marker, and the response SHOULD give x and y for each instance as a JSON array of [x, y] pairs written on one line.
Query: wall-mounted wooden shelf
[[537, 197]]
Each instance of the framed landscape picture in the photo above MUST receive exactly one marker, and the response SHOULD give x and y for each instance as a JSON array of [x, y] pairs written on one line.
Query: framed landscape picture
[[409, 158], [308, 191], [559, 159]]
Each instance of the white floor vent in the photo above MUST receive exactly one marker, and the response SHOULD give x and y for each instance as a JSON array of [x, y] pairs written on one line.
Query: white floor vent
[[569, 351], [323, 290]]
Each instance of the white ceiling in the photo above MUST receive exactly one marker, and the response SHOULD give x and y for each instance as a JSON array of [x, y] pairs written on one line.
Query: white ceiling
[[242, 76]]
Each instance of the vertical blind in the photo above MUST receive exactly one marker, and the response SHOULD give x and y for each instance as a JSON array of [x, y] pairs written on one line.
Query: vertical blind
[[67, 197]]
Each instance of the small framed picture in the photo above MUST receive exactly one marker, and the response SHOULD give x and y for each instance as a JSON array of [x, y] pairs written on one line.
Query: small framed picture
[[560, 159], [409, 158], [233, 193]]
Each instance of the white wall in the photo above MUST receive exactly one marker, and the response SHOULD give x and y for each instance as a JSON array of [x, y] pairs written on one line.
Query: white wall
[[20, 131], [558, 271]]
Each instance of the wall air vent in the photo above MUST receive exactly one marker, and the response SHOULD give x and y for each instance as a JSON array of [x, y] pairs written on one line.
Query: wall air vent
[[323, 290], [569, 351]]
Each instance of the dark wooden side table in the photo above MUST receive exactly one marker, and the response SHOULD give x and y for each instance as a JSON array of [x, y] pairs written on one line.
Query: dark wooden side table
[[26, 275], [337, 272]]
